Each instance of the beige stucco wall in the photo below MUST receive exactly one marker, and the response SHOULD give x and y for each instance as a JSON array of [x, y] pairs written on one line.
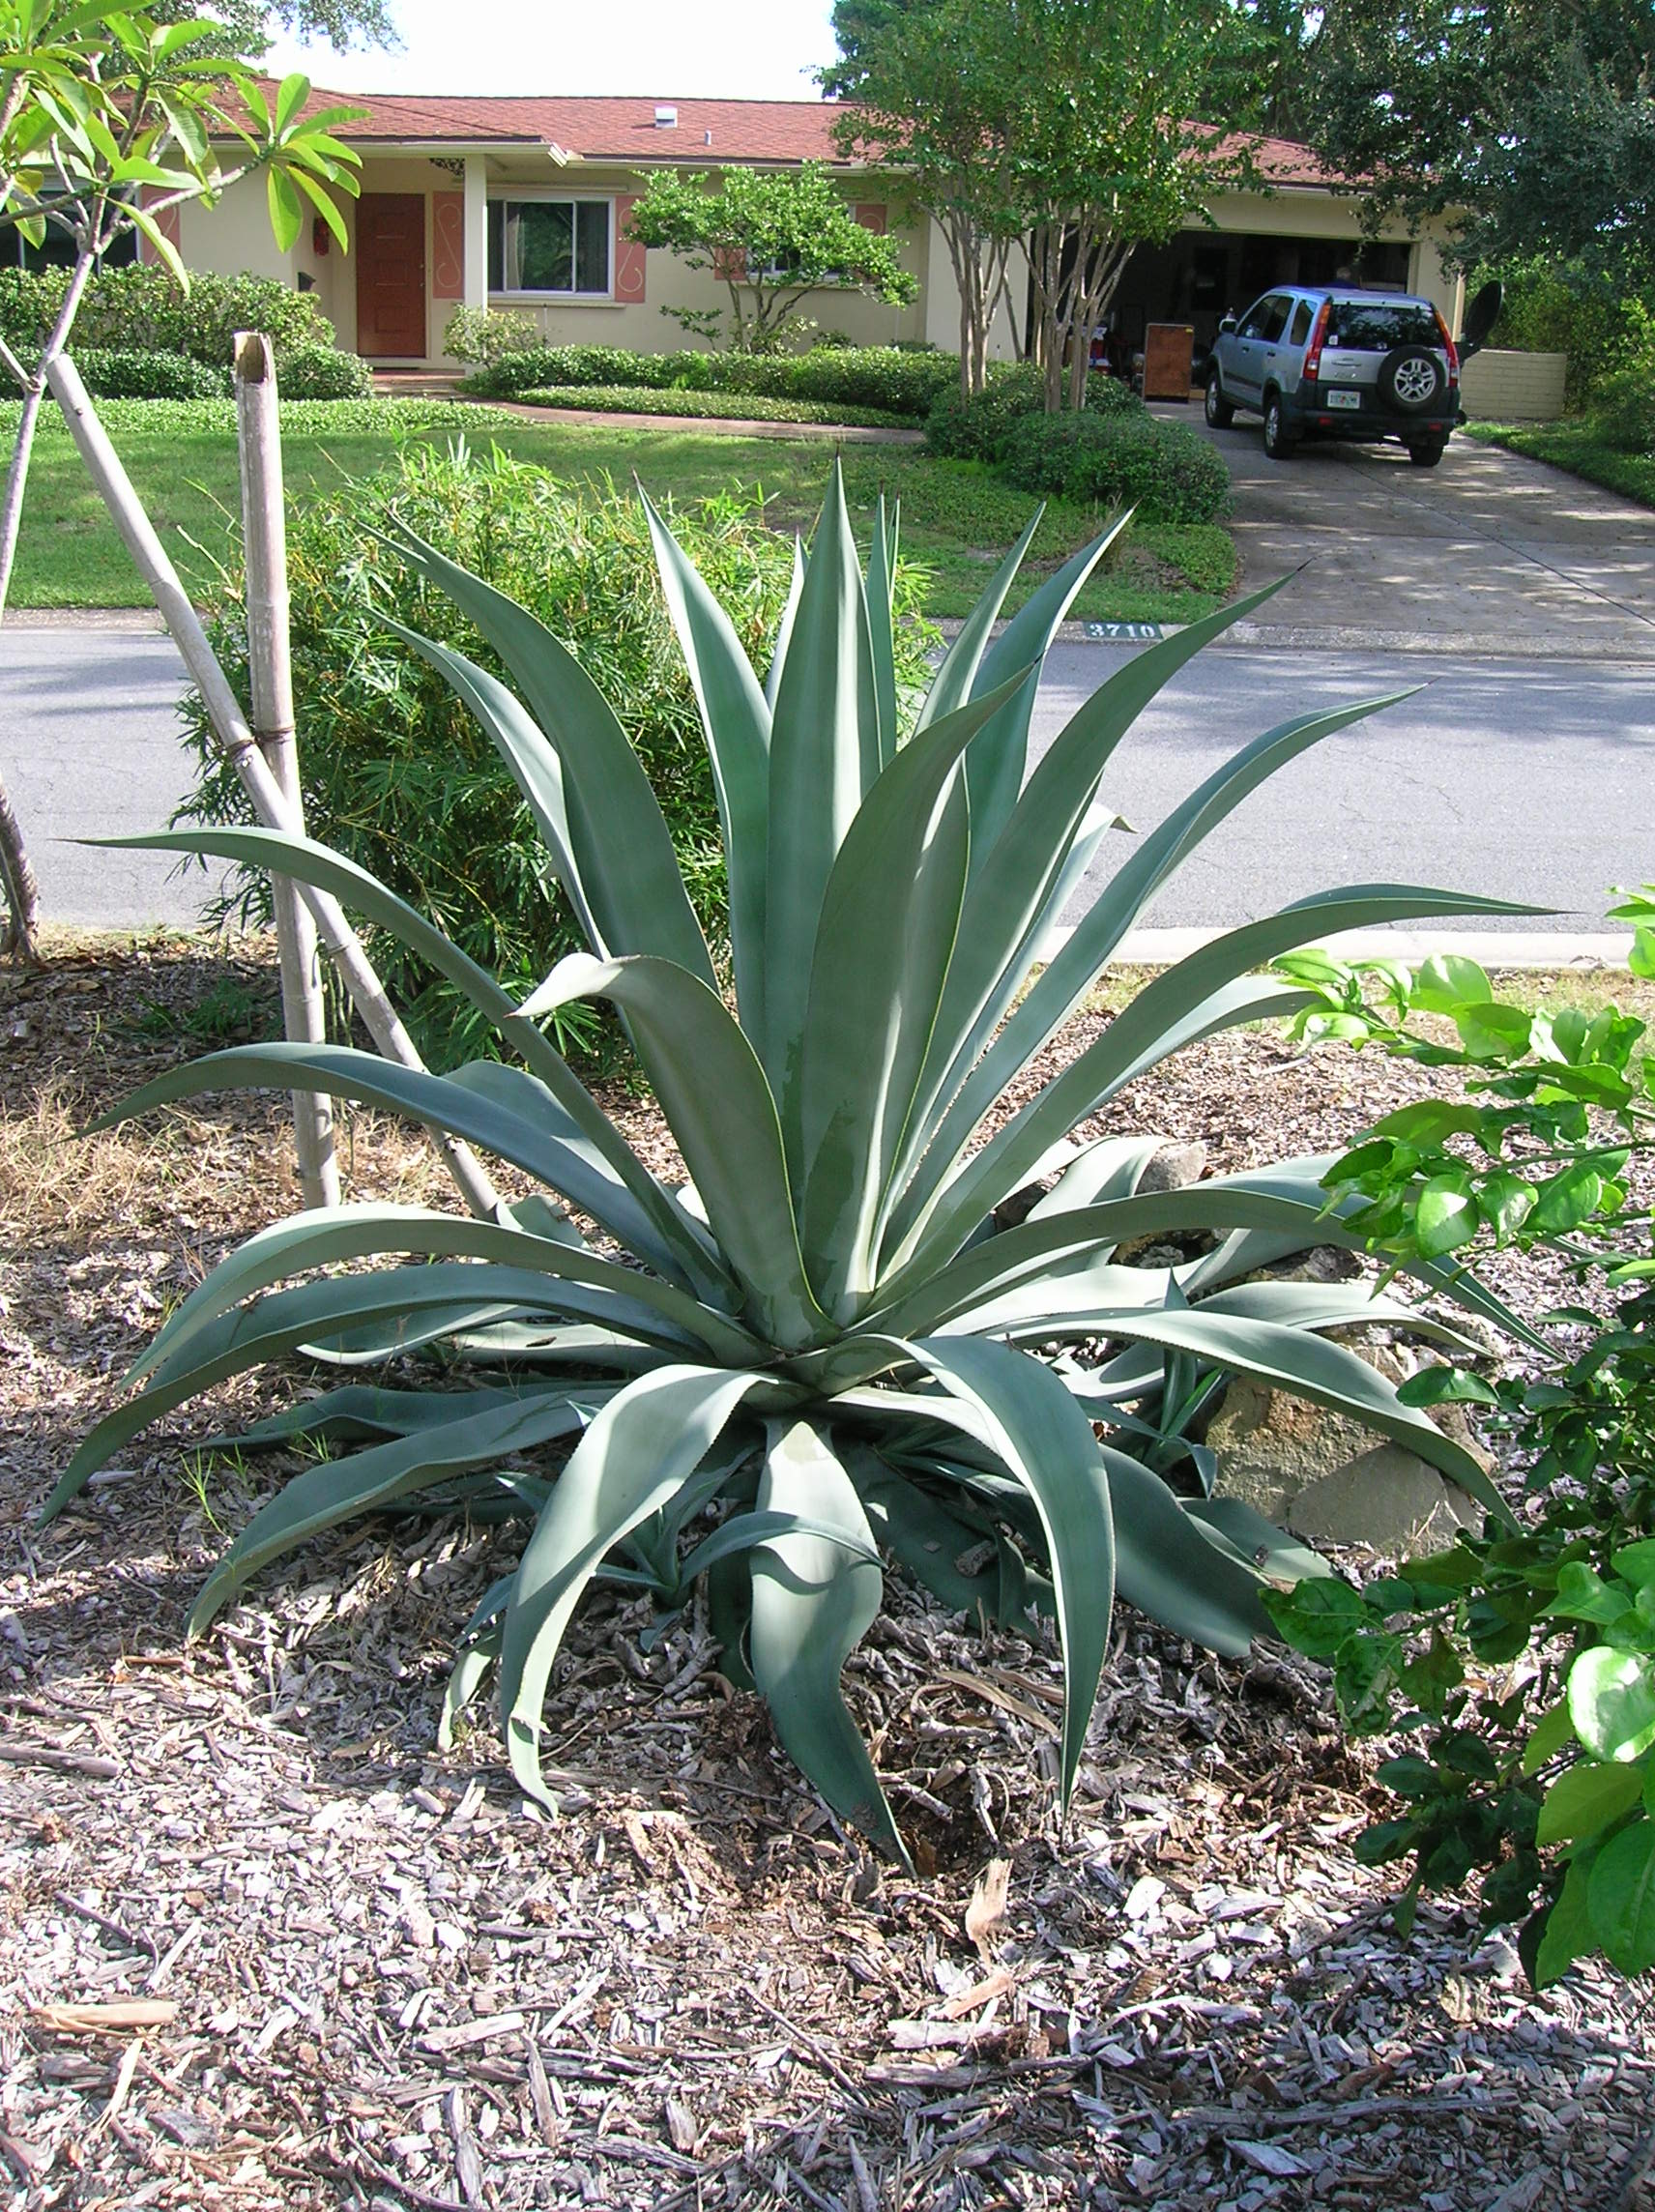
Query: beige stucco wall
[[1500, 386], [236, 236]]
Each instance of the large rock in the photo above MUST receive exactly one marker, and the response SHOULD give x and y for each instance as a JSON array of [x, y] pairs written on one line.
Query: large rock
[[1329, 1478]]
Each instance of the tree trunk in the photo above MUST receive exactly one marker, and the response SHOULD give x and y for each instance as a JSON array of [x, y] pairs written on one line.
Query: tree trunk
[[237, 740], [270, 676]]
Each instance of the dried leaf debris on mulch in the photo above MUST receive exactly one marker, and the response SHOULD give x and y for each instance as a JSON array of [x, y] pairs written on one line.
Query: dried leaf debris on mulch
[[367, 1974]]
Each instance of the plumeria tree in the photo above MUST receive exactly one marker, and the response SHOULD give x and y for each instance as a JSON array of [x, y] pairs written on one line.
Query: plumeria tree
[[774, 237], [109, 120]]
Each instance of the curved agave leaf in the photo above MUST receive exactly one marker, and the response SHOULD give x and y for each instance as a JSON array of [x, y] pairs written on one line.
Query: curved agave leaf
[[309, 862], [1111, 1167], [436, 1099], [1023, 1413], [637, 1454], [613, 826], [814, 1597], [784, 629], [1143, 1035], [1078, 963], [735, 720], [331, 1235], [957, 672], [719, 1106], [882, 640], [923, 1536], [823, 756], [1257, 1543], [322, 1496], [1168, 1566], [284, 1322], [358, 1411], [994, 770], [889, 915]]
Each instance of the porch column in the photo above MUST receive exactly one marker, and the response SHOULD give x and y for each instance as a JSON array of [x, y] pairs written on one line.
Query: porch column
[[476, 231]]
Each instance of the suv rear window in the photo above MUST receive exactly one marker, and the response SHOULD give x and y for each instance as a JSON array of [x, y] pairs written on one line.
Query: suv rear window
[[1370, 326]]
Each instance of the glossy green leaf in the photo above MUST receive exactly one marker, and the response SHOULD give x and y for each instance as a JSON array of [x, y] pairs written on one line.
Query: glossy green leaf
[[1612, 1702], [1586, 1798], [1620, 1898]]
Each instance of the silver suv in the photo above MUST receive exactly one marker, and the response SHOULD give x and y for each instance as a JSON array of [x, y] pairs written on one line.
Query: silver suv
[[1339, 363]]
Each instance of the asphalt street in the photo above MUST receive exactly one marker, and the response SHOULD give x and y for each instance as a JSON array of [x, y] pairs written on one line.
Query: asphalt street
[[1532, 781], [1529, 780]]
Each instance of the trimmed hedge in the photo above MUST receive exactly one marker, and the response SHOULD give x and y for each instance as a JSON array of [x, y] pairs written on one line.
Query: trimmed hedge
[[140, 310], [890, 380], [323, 372], [706, 406], [1162, 469], [127, 372]]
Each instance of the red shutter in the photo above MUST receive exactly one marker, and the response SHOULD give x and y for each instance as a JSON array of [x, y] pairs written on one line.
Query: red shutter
[[448, 246], [729, 264], [629, 255], [871, 215], [168, 222]]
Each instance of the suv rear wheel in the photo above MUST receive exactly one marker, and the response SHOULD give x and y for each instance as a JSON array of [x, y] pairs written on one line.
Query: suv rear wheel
[[1279, 445], [1426, 452], [1219, 412]]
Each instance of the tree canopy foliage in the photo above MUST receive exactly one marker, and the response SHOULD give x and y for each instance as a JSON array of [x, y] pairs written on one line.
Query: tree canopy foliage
[[1083, 128], [774, 237], [1530, 125]]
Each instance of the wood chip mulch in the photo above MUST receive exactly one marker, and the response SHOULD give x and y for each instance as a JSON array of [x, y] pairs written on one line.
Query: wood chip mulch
[[262, 1946]]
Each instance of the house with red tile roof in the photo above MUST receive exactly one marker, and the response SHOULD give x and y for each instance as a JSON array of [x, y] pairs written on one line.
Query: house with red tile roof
[[522, 202]]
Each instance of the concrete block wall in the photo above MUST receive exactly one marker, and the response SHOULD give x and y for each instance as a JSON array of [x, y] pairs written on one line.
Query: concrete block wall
[[1502, 386]]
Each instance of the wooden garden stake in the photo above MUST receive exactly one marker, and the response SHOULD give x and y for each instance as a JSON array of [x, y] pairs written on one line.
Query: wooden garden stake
[[270, 676], [239, 745]]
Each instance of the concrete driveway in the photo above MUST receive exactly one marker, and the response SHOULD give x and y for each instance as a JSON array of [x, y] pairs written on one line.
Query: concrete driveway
[[1487, 553]]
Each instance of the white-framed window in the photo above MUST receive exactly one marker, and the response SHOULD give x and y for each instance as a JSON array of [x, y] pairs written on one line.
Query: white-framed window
[[551, 246]]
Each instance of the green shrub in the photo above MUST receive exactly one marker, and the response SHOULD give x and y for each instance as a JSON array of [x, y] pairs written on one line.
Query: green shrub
[[825, 1353], [401, 778], [1519, 1665], [1562, 306], [324, 372], [903, 383], [889, 381], [487, 334], [544, 367], [706, 406], [1162, 469], [980, 429], [127, 374], [141, 309]]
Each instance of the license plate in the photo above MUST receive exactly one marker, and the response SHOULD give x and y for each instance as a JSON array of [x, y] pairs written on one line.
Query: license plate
[[1343, 398]]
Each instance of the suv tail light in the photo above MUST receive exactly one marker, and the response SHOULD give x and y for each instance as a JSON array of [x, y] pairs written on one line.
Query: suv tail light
[[1318, 334], [1448, 347]]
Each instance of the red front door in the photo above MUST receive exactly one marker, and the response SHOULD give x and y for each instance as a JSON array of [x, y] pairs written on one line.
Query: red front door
[[391, 276]]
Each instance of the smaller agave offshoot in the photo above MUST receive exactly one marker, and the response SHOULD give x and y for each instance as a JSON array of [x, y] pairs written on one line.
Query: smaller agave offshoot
[[823, 1355]]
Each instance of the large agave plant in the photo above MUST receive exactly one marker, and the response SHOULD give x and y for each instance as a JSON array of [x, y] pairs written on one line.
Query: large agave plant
[[822, 1353]]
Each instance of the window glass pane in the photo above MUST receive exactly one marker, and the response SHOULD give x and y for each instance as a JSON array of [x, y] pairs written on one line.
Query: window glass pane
[[543, 232], [592, 246], [1300, 323], [497, 212], [1277, 321], [1367, 326]]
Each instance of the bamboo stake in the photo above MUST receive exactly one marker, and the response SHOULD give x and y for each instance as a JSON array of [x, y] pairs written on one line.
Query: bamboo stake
[[269, 678], [241, 747]]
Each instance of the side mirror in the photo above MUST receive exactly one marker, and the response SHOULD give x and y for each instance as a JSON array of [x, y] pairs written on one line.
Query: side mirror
[[1481, 317], [1226, 323]]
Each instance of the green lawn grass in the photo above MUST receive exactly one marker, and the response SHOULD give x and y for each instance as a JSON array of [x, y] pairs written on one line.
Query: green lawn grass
[[1577, 445], [956, 519]]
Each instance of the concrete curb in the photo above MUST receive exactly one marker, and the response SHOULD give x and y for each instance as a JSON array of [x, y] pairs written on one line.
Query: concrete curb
[[1494, 949], [1262, 637]]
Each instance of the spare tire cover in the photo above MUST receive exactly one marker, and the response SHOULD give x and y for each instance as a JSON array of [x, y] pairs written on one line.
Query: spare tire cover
[[1411, 379]]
